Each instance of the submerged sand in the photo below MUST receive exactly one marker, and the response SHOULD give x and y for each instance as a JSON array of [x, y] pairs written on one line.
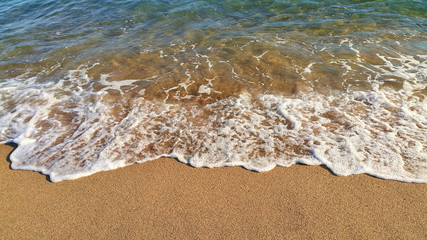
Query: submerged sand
[[167, 199]]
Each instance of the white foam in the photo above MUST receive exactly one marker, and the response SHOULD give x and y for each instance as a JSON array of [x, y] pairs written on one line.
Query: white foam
[[260, 56], [240, 134]]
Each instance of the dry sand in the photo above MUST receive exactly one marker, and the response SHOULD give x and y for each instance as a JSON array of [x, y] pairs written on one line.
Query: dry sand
[[166, 199]]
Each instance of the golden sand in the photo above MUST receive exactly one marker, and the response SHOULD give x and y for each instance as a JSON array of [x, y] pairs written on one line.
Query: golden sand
[[166, 199]]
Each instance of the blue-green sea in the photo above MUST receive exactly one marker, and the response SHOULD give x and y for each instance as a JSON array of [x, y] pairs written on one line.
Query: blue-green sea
[[90, 85]]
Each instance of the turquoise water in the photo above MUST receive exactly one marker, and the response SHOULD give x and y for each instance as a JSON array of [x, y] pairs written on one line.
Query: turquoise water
[[88, 86], [47, 32]]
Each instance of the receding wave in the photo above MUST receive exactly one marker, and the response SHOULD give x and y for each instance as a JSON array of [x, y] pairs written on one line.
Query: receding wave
[[81, 125]]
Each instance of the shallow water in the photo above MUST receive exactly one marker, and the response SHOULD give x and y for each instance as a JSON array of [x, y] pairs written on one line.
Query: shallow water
[[88, 86]]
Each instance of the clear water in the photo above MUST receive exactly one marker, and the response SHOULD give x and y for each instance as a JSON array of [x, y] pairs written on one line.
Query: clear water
[[89, 86]]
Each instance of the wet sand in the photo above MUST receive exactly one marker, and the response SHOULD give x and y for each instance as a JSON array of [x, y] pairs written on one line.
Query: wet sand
[[166, 199]]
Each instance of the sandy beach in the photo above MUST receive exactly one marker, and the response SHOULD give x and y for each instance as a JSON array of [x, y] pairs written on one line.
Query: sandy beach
[[90, 86], [165, 199]]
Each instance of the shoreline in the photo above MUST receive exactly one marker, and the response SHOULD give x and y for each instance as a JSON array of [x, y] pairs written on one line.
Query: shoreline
[[168, 199]]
